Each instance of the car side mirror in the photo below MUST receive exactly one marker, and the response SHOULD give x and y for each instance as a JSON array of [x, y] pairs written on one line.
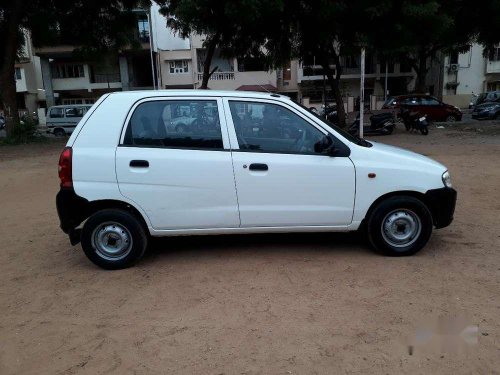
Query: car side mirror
[[325, 146]]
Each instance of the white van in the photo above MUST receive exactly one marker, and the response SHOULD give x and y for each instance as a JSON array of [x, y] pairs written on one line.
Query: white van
[[62, 119], [246, 163]]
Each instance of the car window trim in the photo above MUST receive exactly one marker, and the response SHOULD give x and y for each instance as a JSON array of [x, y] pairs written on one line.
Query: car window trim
[[309, 118], [222, 121]]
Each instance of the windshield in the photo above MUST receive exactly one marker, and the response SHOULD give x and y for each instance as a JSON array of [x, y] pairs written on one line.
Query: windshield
[[342, 132]]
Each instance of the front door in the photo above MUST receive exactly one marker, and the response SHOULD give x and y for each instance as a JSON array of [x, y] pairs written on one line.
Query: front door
[[174, 162], [280, 180]]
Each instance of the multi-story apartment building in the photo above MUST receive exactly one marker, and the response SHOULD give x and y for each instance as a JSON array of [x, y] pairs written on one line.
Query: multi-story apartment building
[[68, 79], [462, 75], [28, 79], [181, 66]]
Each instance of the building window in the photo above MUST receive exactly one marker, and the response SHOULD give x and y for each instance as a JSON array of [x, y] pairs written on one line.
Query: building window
[[251, 64], [494, 54], [18, 74], [454, 58], [67, 71], [78, 101], [179, 66], [143, 27]]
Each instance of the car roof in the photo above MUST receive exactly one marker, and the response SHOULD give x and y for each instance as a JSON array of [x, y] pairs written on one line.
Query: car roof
[[413, 95], [205, 93]]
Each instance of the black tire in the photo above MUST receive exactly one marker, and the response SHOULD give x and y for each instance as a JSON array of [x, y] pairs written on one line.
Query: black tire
[[424, 130], [408, 207], [59, 132], [118, 221]]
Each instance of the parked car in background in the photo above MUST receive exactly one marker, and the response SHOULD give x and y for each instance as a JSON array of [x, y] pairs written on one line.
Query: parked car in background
[[486, 97], [260, 164], [62, 119], [434, 109], [487, 111]]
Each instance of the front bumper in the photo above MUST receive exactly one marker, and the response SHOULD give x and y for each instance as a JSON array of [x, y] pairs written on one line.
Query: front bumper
[[442, 203]]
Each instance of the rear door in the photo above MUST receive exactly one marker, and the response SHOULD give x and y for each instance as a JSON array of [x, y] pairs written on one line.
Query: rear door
[[182, 177]]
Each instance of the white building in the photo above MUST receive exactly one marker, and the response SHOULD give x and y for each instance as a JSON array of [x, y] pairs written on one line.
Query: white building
[[469, 73]]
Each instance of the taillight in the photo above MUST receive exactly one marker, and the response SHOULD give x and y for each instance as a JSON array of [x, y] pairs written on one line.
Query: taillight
[[65, 170]]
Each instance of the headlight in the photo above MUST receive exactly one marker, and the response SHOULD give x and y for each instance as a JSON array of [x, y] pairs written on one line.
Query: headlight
[[447, 179]]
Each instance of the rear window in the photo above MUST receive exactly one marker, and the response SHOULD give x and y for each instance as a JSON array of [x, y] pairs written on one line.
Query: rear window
[[175, 124]]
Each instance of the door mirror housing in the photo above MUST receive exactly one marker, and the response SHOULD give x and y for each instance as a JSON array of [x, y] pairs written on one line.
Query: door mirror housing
[[325, 146]]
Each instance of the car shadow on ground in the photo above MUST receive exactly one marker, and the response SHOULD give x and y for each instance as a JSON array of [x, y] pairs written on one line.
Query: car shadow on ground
[[281, 244]]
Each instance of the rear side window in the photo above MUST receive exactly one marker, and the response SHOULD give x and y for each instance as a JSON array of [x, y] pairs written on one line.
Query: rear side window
[[57, 113], [175, 124]]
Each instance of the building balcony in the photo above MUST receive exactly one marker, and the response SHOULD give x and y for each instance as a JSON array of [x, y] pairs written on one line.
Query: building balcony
[[218, 76], [493, 67], [105, 78]]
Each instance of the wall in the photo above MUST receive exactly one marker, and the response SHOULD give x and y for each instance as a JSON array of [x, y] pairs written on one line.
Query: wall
[[470, 75]]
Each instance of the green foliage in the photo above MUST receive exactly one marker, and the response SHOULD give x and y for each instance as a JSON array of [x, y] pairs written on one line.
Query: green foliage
[[240, 26], [26, 131]]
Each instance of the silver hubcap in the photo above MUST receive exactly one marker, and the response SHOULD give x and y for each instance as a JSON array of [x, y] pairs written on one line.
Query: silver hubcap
[[401, 228], [112, 241]]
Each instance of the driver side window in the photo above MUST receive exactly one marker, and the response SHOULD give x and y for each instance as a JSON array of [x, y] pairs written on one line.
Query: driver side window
[[265, 127]]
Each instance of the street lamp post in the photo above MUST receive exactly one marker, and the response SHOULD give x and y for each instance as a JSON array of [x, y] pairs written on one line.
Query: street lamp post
[[362, 93]]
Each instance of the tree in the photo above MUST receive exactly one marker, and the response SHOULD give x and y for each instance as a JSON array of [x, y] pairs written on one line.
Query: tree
[[235, 27], [93, 25], [327, 31], [420, 30]]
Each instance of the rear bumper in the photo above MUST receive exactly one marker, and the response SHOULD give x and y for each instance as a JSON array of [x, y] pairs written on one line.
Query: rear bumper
[[71, 208], [442, 205]]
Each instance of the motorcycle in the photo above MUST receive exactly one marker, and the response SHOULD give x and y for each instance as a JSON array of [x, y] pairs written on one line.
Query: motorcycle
[[380, 124], [414, 121]]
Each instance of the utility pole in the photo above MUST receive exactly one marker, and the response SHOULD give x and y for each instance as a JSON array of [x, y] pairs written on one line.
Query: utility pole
[[148, 14], [362, 93], [385, 85]]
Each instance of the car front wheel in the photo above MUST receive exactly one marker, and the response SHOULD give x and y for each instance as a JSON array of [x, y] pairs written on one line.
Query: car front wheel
[[399, 226], [113, 239]]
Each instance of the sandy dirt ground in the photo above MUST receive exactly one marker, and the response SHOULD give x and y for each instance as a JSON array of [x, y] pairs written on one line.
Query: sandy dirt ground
[[262, 304]]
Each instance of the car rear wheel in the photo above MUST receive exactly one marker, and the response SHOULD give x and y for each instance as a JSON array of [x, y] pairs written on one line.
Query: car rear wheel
[[399, 226], [113, 239]]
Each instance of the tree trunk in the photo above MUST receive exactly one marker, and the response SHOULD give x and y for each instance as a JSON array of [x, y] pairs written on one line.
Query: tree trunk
[[212, 44], [421, 70], [7, 70], [334, 83]]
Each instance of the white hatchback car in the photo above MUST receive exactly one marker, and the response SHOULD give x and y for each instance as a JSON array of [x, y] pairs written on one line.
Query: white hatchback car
[[250, 163]]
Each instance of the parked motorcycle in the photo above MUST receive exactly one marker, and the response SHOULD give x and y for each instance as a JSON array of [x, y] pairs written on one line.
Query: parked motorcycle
[[380, 124], [414, 121]]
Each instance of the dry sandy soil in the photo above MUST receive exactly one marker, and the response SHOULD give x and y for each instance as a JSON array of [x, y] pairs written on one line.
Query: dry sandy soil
[[280, 304]]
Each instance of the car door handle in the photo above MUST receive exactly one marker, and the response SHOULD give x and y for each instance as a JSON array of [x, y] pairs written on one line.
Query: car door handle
[[139, 163], [258, 167]]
